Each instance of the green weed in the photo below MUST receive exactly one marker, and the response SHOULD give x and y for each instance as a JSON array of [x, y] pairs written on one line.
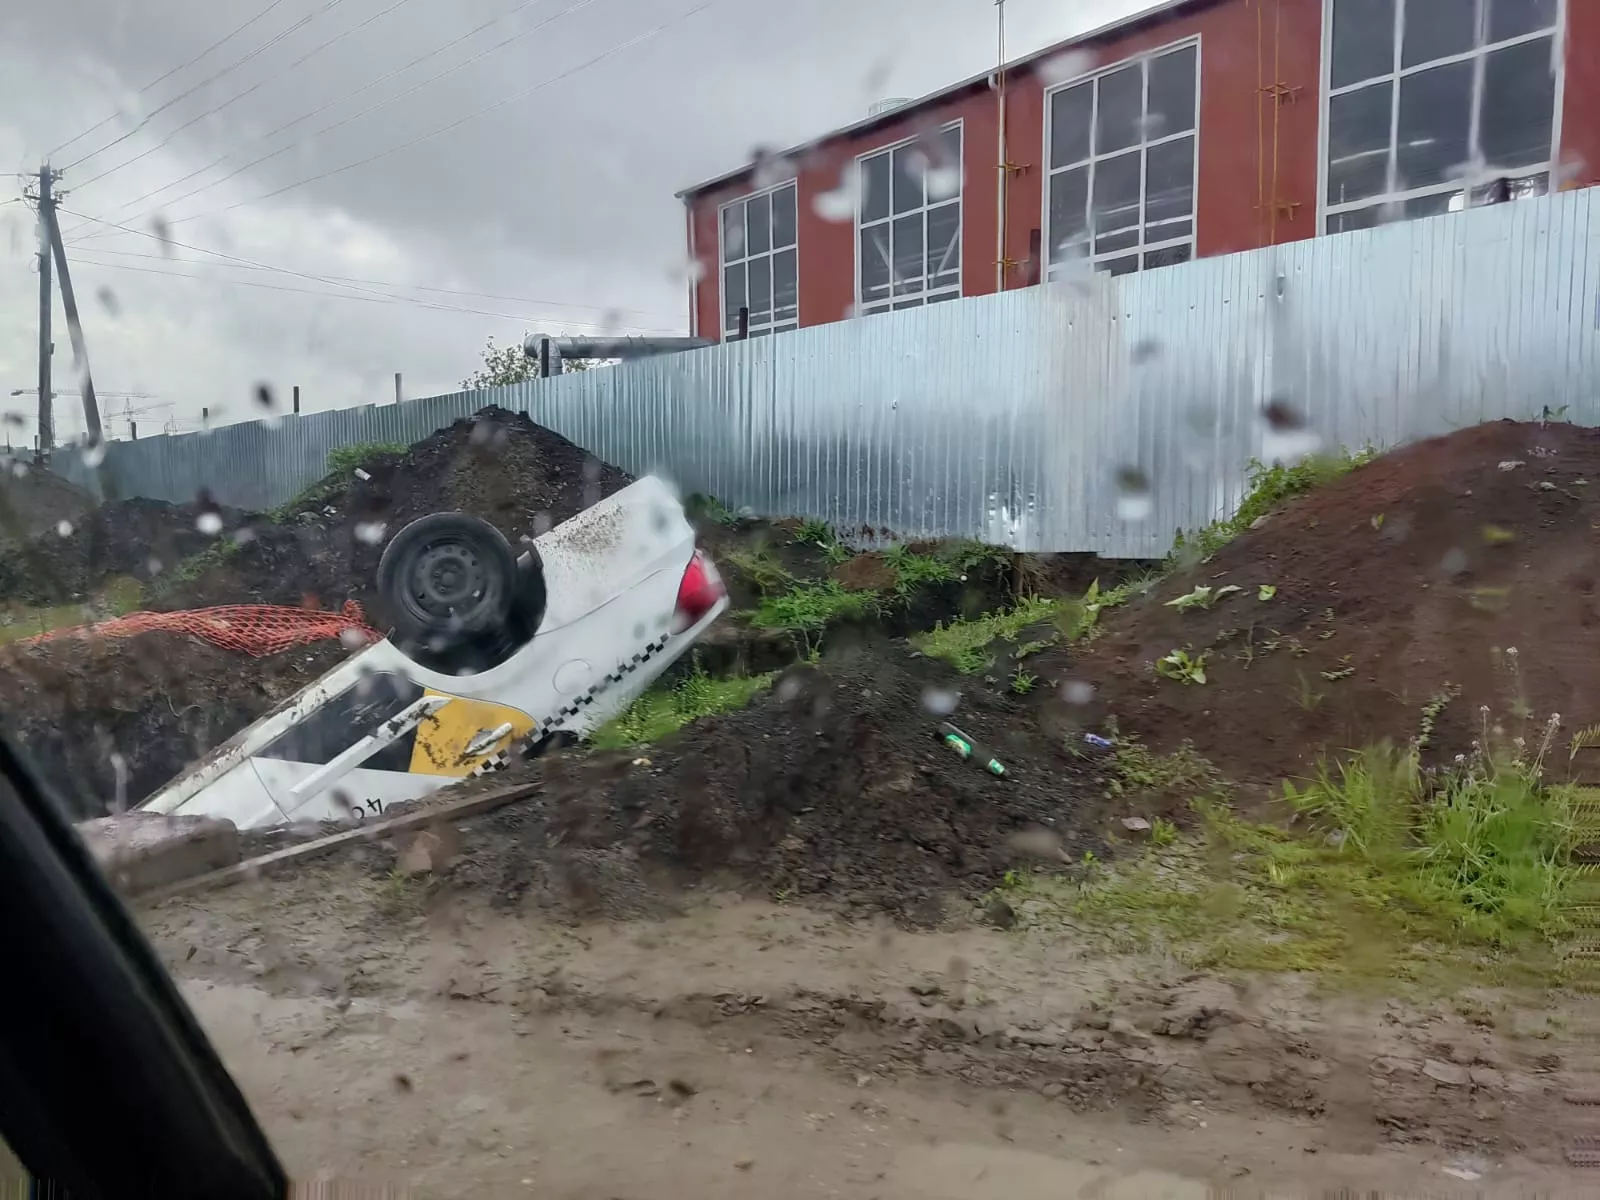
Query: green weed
[[1184, 774], [965, 644], [1023, 682], [817, 533], [660, 712], [701, 507], [762, 568], [1268, 489], [343, 460], [811, 606]]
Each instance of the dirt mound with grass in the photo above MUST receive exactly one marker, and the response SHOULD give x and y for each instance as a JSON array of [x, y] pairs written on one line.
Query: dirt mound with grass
[[323, 547], [107, 721], [1397, 602], [834, 784], [34, 501], [131, 539]]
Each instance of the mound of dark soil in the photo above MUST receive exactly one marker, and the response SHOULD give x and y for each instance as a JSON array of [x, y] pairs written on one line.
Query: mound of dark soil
[[325, 546], [159, 701], [37, 500], [834, 784], [1464, 567], [137, 539]]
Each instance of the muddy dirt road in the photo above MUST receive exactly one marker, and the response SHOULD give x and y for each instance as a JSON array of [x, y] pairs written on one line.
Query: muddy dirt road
[[743, 1048]]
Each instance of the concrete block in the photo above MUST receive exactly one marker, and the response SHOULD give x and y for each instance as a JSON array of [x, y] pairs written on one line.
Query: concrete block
[[141, 851]]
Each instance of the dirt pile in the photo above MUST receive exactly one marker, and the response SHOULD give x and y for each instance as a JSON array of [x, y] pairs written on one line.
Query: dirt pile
[[1447, 576], [834, 784], [108, 720], [37, 500], [324, 546], [134, 539]]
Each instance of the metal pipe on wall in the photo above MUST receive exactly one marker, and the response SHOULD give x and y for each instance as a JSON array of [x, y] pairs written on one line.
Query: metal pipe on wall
[[1001, 162]]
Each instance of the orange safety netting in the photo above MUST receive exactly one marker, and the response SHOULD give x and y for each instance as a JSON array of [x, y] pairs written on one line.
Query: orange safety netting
[[255, 629]]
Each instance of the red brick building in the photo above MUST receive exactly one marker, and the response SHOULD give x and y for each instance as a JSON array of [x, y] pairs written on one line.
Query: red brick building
[[1199, 127]]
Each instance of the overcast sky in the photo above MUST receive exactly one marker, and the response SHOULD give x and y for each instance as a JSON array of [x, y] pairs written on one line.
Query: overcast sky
[[554, 210]]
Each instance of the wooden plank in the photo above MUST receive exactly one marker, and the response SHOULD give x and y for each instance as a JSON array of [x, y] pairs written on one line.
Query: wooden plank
[[458, 810]]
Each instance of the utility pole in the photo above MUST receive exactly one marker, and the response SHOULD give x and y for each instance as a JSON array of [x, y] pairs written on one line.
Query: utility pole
[[80, 352], [44, 197]]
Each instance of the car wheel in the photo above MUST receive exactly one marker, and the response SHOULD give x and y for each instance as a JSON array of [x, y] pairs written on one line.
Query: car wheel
[[448, 583]]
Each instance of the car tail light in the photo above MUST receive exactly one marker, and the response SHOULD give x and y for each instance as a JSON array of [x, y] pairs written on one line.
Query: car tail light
[[699, 592]]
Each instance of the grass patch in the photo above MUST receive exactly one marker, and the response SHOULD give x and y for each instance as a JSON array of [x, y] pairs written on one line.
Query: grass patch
[[120, 596], [965, 645], [1388, 871], [344, 460], [658, 713], [1269, 488], [701, 507], [763, 568], [810, 607]]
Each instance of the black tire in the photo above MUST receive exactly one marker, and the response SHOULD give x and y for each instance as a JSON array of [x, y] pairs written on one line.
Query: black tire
[[529, 600], [448, 582]]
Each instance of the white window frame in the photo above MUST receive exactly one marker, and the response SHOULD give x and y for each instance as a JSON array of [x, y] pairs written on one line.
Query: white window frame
[[1047, 240], [1395, 74], [771, 324], [927, 295]]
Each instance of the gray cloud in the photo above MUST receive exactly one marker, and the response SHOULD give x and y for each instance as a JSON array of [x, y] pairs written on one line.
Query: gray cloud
[[555, 209]]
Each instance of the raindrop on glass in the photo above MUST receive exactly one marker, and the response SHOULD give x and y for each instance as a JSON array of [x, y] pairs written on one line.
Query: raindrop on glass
[[1065, 67], [1288, 437], [163, 232], [941, 702], [1077, 691], [108, 301], [1143, 351], [350, 639], [94, 453], [371, 532], [1134, 501], [839, 205], [63, 528], [788, 689], [1454, 562], [770, 169], [264, 396], [209, 523], [1035, 843], [243, 535]]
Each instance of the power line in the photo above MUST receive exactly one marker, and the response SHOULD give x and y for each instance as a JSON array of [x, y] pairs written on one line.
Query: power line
[[323, 279], [235, 32], [372, 108], [239, 62], [384, 283], [211, 112], [488, 108], [369, 299]]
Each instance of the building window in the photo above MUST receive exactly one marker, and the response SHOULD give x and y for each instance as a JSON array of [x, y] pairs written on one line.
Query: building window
[[760, 267], [1423, 93], [908, 224], [1122, 150]]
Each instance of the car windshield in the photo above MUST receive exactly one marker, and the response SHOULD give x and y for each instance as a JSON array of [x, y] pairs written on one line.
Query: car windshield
[[1003, 608]]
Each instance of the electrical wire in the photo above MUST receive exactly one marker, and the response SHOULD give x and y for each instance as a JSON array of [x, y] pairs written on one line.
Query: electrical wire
[[237, 63], [488, 108], [372, 108], [372, 299], [214, 110], [228, 37], [383, 283]]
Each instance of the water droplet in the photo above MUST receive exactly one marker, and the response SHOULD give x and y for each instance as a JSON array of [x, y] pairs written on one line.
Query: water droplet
[[1288, 437], [163, 231], [350, 639], [243, 535], [94, 453], [1065, 67], [1134, 500], [839, 205], [1143, 351], [264, 395], [153, 566], [64, 528], [1152, 125], [108, 301], [371, 532], [941, 702], [770, 169], [788, 689], [1036, 843], [1454, 562], [1077, 691], [209, 523]]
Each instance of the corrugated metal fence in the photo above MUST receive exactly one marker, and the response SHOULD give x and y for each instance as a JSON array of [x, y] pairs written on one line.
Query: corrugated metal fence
[[1006, 417]]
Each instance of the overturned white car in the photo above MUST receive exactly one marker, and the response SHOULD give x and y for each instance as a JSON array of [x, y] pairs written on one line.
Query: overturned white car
[[490, 653]]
